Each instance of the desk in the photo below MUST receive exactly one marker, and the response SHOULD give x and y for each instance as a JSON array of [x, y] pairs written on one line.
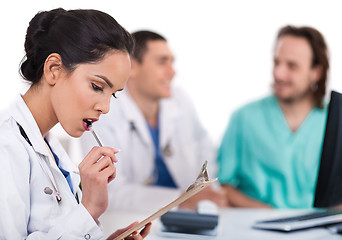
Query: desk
[[234, 223]]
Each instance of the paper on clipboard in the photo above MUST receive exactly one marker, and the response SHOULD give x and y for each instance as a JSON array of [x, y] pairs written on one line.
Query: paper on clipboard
[[200, 183]]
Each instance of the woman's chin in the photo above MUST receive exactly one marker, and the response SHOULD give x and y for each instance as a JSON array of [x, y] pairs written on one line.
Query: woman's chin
[[75, 134]]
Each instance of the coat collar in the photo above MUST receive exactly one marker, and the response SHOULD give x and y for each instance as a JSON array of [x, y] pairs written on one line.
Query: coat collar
[[23, 116]]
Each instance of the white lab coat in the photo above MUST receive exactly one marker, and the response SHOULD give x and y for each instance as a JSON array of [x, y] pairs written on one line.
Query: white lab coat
[[181, 135], [26, 212]]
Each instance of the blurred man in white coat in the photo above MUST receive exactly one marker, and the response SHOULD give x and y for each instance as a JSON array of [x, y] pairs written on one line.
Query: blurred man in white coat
[[163, 144]]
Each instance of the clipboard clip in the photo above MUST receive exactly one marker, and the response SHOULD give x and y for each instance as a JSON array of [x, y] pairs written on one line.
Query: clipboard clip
[[202, 176]]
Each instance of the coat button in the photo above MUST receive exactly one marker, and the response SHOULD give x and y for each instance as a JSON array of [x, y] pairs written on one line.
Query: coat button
[[87, 236]]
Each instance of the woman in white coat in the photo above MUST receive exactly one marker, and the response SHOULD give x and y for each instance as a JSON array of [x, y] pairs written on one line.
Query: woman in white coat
[[75, 60]]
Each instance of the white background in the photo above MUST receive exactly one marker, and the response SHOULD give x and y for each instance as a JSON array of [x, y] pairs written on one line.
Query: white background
[[223, 49]]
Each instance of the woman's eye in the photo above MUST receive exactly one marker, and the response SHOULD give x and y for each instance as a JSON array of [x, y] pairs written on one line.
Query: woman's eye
[[96, 88]]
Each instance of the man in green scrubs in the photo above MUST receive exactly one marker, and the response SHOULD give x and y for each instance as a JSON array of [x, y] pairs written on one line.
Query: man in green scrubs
[[270, 152]]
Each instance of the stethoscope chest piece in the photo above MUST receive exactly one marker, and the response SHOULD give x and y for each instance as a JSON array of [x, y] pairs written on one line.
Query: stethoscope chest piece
[[167, 151]]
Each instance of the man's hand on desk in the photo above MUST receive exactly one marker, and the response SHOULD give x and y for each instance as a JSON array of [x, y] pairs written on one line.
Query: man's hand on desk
[[218, 196], [238, 199]]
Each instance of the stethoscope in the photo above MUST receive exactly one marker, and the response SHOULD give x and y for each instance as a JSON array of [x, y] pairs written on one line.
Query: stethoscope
[[167, 151], [47, 190]]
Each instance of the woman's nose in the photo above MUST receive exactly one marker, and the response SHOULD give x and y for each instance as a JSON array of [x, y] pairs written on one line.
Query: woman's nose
[[103, 106]]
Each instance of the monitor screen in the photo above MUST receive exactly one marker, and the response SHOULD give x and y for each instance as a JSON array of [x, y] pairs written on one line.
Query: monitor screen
[[329, 181]]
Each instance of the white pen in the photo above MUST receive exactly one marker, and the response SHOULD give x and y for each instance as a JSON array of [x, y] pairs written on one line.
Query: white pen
[[93, 132], [95, 136]]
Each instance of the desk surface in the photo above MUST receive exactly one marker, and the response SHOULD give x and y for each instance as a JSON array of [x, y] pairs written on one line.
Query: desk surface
[[234, 223]]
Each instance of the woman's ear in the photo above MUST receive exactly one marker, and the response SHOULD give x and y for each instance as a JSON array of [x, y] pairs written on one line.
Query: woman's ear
[[53, 68]]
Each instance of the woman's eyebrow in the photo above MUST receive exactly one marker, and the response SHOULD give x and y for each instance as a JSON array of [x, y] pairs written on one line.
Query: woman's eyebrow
[[105, 79]]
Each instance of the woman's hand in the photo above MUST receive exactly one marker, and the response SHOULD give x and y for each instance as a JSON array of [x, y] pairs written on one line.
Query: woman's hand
[[135, 235], [96, 171]]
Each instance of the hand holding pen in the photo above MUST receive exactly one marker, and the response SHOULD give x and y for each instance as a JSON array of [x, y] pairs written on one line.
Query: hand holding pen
[[143, 233], [96, 171]]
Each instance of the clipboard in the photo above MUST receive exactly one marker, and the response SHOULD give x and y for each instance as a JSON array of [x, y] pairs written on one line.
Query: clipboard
[[200, 183]]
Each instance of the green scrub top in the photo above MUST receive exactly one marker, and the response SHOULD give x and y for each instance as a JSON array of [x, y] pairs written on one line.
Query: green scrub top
[[264, 159]]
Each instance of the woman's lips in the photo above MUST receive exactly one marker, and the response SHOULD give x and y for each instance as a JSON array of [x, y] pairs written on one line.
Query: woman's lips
[[85, 125]]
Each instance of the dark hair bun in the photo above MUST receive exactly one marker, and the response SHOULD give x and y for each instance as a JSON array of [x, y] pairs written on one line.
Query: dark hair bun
[[38, 28], [78, 36]]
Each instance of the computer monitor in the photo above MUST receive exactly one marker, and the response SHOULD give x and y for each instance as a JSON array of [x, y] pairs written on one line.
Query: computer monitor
[[329, 181]]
